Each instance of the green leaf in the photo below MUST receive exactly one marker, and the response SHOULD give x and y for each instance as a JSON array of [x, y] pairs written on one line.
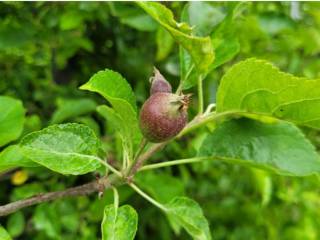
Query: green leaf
[[119, 224], [256, 86], [16, 224], [66, 148], [162, 186], [225, 39], [12, 157], [278, 147], [69, 108], [94, 211], [32, 123], [141, 22], [202, 16], [227, 48], [199, 48], [127, 127], [11, 119], [187, 213], [133, 16], [90, 122], [113, 87], [164, 44], [223, 36], [4, 235]]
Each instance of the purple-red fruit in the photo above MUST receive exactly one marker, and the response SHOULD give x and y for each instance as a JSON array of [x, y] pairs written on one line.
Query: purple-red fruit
[[159, 83], [163, 116]]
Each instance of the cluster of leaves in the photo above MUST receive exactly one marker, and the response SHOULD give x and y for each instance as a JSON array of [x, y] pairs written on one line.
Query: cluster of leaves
[[264, 118]]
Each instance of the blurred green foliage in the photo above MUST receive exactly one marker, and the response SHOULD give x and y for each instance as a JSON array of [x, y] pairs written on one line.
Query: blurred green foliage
[[47, 50]]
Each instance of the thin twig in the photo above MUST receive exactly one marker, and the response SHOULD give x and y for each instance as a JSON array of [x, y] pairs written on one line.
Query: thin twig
[[94, 186], [88, 188], [106, 182]]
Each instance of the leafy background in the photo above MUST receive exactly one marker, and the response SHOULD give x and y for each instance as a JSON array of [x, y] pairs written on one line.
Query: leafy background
[[48, 50]]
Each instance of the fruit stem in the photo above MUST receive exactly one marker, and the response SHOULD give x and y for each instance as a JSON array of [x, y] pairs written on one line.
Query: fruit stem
[[200, 95]]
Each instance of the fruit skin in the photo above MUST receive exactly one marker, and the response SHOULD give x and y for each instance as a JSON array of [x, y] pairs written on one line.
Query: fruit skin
[[159, 83], [163, 116]]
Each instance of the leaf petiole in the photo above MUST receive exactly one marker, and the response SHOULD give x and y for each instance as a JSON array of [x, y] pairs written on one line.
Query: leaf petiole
[[204, 119], [143, 144], [175, 162], [115, 199], [115, 171], [200, 95], [179, 89], [148, 198]]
